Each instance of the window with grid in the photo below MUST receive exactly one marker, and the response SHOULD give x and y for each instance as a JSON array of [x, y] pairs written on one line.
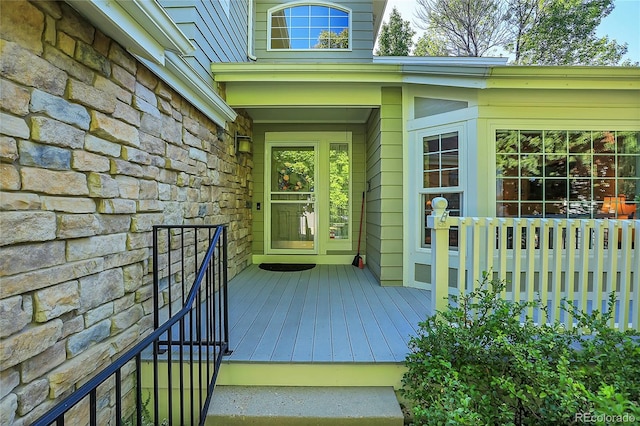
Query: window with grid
[[309, 26], [441, 178], [551, 173]]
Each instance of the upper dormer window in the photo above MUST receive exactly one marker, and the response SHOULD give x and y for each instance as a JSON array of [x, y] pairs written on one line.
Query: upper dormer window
[[309, 26]]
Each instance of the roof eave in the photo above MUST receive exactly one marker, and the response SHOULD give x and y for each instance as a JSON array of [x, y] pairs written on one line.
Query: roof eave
[[561, 77], [379, 6], [305, 72], [145, 29], [142, 27], [375, 73], [178, 74]]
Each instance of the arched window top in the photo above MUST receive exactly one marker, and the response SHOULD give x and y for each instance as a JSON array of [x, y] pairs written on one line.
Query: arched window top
[[309, 26]]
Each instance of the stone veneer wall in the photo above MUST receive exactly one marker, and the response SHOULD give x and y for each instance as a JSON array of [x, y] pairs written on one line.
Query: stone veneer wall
[[94, 150]]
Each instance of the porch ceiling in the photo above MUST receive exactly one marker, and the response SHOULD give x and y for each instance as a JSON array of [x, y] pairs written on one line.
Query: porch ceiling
[[309, 115]]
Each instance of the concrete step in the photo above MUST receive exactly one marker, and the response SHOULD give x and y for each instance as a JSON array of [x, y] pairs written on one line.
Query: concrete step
[[297, 405]]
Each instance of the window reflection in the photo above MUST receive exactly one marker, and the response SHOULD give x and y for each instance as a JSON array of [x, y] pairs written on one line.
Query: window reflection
[[339, 190], [304, 27], [567, 173], [441, 171], [441, 160]]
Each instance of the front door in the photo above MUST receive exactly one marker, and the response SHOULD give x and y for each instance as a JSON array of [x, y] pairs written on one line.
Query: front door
[[292, 198], [307, 192]]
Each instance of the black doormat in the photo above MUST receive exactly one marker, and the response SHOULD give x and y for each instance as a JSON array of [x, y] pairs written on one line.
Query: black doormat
[[286, 267]]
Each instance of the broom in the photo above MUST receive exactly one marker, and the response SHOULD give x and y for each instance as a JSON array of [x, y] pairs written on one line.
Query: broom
[[357, 261]]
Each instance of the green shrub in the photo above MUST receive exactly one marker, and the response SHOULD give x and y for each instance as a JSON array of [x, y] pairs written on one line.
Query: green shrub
[[485, 362]]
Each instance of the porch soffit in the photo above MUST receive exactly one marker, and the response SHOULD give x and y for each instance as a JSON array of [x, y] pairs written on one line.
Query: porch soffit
[[329, 115]]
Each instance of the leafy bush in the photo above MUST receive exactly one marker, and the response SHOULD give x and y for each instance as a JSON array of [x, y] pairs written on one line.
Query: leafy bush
[[484, 361]]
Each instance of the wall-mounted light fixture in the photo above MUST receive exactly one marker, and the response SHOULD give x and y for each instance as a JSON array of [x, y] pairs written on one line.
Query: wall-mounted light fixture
[[242, 143]]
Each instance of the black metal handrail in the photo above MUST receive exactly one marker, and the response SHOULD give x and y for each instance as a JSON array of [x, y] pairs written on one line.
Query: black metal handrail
[[203, 324]]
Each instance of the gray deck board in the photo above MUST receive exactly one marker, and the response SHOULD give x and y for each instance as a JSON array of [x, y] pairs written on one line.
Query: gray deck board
[[265, 347], [406, 313], [331, 313], [286, 340], [375, 335], [253, 316], [340, 341], [358, 343]]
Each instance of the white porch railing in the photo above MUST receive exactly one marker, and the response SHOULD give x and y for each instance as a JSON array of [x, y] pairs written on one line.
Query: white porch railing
[[582, 260]]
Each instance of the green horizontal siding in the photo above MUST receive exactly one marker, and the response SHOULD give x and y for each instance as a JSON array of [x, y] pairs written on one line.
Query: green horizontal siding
[[385, 174], [392, 111], [393, 125], [373, 194], [217, 36]]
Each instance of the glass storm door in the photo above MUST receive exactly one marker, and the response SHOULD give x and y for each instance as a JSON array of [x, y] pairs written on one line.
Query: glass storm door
[[293, 221]]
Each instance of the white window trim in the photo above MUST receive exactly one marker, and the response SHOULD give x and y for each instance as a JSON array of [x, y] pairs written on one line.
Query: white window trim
[[309, 3], [417, 210], [415, 253]]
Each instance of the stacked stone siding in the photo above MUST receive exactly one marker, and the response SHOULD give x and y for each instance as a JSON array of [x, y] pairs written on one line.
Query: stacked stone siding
[[94, 151]]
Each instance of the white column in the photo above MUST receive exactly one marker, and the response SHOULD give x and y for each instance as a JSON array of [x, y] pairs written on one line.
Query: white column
[[438, 222]]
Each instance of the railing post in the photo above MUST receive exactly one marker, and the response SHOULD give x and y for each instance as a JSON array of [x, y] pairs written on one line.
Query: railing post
[[156, 319], [438, 222], [225, 265]]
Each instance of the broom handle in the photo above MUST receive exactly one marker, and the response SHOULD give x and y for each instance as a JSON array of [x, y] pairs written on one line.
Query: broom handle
[[361, 215]]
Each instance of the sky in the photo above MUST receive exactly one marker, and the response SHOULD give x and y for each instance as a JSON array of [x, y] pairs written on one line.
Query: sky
[[623, 24]]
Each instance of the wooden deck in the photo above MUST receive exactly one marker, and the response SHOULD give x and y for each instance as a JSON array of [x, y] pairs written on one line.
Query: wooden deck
[[328, 314]]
